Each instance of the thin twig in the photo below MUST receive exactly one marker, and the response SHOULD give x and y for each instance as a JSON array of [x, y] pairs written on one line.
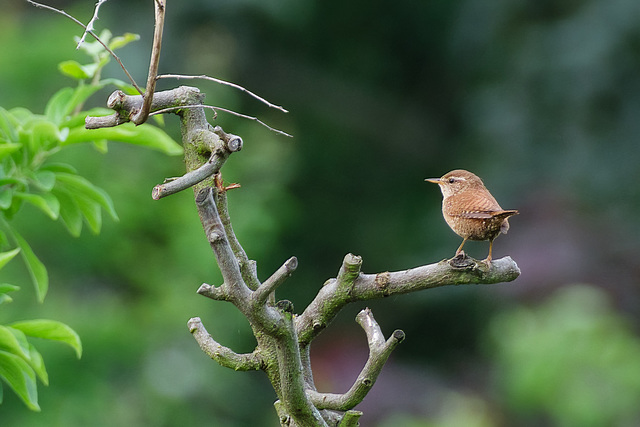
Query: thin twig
[[143, 114], [223, 82], [89, 26], [216, 109], [62, 12]]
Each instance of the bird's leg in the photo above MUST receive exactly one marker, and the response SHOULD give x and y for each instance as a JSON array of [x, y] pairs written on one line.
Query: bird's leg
[[464, 239], [487, 260]]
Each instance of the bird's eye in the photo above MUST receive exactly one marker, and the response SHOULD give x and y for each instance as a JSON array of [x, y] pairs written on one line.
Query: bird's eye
[[452, 180]]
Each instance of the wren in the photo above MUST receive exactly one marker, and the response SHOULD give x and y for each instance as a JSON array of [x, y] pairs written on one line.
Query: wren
[[470, 210]]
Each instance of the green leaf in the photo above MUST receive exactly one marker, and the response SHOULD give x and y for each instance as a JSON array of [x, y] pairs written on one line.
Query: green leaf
[[50, 330], [46, 202], [37, 364], [59, 167], [8, 126], [6, 198], [14, 341], [144, 135], [40, 134], [123, 40], [63, 102], [12, 180], [8, 148], [91, 212], [6, 287], [74, 70], [57, 107], [36, 268], [5, 257], [69, 212], [127, 88], [95, 48], [101, 145], [44, 179], [79, 186], [21, 115], [20, 377]]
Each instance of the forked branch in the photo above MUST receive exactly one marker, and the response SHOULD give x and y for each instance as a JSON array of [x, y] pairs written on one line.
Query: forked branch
[[379, 351], [337, 293]]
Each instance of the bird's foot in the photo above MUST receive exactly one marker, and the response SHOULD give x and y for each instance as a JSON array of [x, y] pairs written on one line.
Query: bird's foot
[[461, 260], [464, 262]]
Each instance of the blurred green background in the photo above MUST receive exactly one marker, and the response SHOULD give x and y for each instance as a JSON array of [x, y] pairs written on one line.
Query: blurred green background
[[539, 98]]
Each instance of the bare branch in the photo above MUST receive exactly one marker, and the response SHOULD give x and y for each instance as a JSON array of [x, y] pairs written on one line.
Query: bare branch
[[112, 120], [331, 298], [271, 284], [141, 116], [379, 351], [126, 106], [221, 354], [89, 26], [62, 12], [233, 284], [247, 266], [292, 387], [129, 106], [189, 179], [223, 82]]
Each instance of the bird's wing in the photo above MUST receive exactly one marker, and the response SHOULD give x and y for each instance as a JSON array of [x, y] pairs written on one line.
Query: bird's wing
[[473, 204], [487, 214]]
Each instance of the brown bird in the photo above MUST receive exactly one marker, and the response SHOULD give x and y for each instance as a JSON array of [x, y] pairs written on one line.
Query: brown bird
[[470, 210]]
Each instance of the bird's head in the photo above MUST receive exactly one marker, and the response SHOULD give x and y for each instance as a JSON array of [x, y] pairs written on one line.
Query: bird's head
[[456, 181]]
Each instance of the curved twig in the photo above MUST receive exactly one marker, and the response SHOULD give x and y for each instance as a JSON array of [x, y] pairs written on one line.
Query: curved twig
[[62, 12], [379, 351], [142, 115], [223, 82], [221, 354]]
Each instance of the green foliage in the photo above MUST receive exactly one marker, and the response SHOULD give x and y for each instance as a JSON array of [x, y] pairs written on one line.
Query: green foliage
[[28, 177], [573, 359]]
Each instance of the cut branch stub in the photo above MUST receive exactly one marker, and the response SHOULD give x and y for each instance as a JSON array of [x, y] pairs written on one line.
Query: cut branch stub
[[271, 284], [126, 106]]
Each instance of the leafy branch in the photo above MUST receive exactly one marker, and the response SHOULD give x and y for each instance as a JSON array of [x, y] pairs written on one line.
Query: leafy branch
[[29, 177]]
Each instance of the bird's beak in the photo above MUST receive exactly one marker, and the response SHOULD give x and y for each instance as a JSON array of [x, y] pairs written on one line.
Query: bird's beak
[[433, 180]]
